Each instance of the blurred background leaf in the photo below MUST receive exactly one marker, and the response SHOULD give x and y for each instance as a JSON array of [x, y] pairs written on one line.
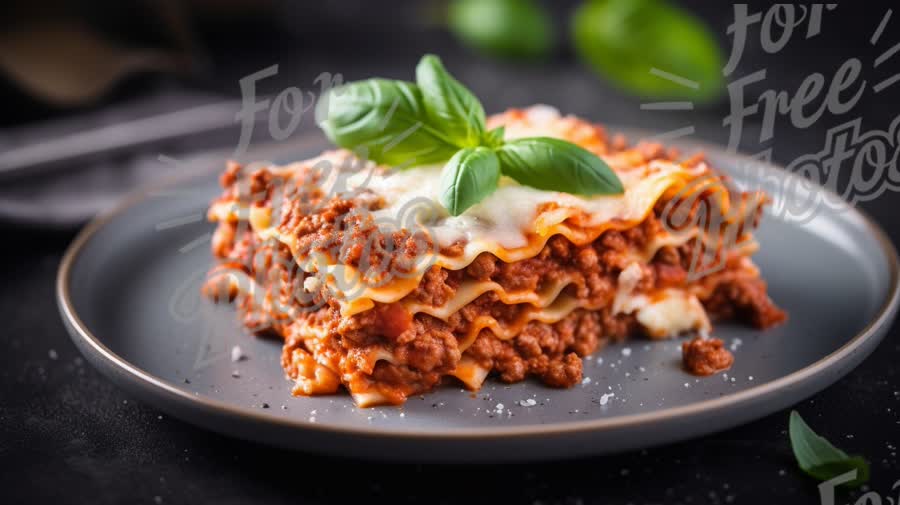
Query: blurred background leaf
[[623, 40], [514, 29]]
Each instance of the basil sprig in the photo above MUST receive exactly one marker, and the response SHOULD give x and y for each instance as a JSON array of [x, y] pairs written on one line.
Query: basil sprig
[[449, 103], [821, 460], [436, 120], [469, 176], [557, 165], [381, 120]]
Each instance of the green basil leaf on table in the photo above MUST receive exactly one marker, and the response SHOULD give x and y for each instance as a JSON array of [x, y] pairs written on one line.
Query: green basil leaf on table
[[449, 104], [821, 460], [624, 39], [512, 29], [386, 120], [469, 176], [556, 165]]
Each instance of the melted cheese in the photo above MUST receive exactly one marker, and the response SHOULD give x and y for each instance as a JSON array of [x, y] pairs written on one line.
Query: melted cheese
[[505, 218], [671, 313]]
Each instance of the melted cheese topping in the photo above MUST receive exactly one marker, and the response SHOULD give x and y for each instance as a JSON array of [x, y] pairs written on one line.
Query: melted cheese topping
[[506, 217]]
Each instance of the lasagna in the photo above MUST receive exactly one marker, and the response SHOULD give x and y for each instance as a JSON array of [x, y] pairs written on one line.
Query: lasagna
[[374, 288]]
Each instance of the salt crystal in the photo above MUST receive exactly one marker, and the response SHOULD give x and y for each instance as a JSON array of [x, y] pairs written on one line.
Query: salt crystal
[[626, 351], [52, 354], [237, 354], [604, 399], [586, 380]]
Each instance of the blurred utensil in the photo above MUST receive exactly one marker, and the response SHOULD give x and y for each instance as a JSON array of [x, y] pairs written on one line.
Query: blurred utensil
[[66, 151]]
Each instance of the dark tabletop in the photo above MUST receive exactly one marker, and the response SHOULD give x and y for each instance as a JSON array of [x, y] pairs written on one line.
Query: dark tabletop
[[67, 435]]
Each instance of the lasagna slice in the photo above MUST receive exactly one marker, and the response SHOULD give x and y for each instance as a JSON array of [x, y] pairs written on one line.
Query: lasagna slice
[[374, 287]]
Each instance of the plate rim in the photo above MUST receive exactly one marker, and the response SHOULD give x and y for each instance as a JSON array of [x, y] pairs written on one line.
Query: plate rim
[[85, 340]]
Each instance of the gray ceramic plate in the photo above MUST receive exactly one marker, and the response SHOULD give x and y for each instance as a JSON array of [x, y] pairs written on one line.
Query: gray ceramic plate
[[128, 290]]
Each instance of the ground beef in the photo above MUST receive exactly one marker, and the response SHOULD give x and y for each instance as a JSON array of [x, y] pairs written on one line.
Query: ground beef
[[436, 287], [705, 356], [744, 298], [482, 267], [550, 351], [433, 347]]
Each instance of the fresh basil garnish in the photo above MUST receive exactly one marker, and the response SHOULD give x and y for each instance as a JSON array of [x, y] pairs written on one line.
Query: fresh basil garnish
[[556, 165], [821, 460], [623, 40], [386, 119], [469, 176], [494, 138], [403, 124], [449, 103], [513, 29]]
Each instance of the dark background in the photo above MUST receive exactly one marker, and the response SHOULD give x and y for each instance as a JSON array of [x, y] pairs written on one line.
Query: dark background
[[68, 436]]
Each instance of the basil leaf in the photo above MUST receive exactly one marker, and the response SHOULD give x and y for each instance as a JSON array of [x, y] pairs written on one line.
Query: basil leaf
[[821, 460], [557, 165], [623, 40], [385, 121], [494, 138], [469, 176], [514, 29], [449, 104]]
